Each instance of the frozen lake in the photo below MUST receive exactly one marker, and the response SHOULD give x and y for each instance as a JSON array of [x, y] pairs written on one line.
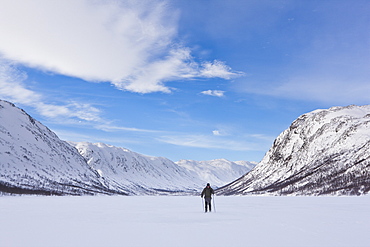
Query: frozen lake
[[180, 221]]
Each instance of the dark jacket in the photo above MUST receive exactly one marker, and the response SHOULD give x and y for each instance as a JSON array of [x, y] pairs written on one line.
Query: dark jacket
[[207, 192]]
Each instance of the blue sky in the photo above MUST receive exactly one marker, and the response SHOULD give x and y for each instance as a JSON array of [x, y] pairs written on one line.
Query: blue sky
[[180, 79]]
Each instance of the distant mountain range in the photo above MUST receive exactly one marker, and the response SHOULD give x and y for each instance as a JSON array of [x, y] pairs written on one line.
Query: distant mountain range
[[140, 174], [33, 160], [219, 171], [325, 152]]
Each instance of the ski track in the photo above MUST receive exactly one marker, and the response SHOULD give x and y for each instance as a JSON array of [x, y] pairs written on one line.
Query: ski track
[[180, 221]]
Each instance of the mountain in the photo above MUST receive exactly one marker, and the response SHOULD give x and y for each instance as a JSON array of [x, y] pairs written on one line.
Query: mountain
[[35, 161], [141, 174], [137, 173], [217, 172], [322, 152]]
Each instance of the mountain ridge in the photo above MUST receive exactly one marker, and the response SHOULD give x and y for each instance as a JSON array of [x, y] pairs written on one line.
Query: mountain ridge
[[29, 151], [324, 152]]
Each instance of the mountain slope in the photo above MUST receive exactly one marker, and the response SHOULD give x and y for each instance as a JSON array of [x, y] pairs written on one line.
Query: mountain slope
[[35, 161], [323, 152], [141, 174], [137, 173], [217, 172]]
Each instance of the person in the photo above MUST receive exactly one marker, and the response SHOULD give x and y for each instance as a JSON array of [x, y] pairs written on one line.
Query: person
[[207, 193]]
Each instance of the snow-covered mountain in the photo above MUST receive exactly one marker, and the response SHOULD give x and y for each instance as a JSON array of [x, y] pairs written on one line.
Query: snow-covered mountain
[[217, 172], [322, 152], [137, 173], [34, 160], [141, 174]]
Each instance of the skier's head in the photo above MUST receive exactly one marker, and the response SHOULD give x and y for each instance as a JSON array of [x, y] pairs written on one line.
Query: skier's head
[[208, 185]]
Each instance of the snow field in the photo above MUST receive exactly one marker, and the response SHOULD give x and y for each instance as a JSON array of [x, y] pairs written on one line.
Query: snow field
[[180, 221]]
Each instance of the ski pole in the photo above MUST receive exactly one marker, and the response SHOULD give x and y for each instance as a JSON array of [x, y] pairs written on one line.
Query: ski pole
[[202, 203], [214, 204]]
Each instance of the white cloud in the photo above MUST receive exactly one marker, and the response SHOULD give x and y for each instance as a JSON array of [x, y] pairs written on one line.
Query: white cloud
[[112, 128], [223, 131], [150, 78], [217, 93], [205, 141], [330, 89], [128, 43], [216, 132], [12, 88], [217, 69]]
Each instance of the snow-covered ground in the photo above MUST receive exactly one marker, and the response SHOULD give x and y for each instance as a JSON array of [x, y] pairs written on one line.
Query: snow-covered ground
[[179, 221]]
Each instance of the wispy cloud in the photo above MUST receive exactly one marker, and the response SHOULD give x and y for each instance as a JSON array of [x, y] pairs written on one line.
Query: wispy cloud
[[211, 142], [128, 43], [342, 86], [100, 137], [113, 128], [12, 88], [217, 93], [216, 133], [218, 69]]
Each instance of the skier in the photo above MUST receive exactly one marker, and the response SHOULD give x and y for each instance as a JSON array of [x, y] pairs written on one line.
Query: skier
[[207, 193]]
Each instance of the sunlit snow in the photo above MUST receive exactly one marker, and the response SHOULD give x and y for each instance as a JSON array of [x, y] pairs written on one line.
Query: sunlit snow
[[180, 221]]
